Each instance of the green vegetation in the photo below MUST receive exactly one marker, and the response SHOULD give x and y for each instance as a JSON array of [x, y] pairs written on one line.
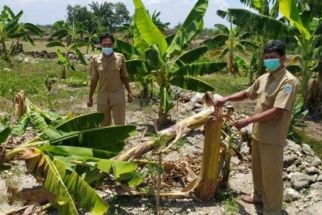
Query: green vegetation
[[315, 144], [11, 28], [73, 156]]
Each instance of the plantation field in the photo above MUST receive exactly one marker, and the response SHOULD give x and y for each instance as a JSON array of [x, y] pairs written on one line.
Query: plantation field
[[70, 95], [186, 146]]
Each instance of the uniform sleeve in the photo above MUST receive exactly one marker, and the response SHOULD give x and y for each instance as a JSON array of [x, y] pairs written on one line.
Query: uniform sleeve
[[124, 73], [251, 91], [93, 71], [286, 95]]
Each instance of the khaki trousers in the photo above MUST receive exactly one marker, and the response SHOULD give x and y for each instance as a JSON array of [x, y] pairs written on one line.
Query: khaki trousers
[[117, 112], [267, 169]]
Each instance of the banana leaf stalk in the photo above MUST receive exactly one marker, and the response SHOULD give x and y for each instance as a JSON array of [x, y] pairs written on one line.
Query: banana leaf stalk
[[174, 132], [166, 135]]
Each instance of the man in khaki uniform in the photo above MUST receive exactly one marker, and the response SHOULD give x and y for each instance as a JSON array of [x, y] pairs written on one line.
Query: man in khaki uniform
[[109, 70], [275, 94]]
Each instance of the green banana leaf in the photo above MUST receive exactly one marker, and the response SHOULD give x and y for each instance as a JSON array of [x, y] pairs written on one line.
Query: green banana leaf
[[80, 56], [138, 41], [122, 170], [4, 134], [191, 56], [289, 9], [259, 24], [55, 43], [216, 42], [196, 69], [189, 29], [37, 121], [147, 29], [59, 34], [66, 185], [165, 99], [126, 49], [20, 127], [153, 58], [76, 151], [195, 84], [82, 122], [105, 138]]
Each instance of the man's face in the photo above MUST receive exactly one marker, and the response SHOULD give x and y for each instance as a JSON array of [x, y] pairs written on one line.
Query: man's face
[[274, 55], [107, 43]]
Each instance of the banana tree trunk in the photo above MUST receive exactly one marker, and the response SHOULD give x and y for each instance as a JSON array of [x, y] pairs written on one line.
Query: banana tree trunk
[[5, 52], [230, 62], [209, 173], [261, 68], [314, 95], [166, 135], [63, 72]]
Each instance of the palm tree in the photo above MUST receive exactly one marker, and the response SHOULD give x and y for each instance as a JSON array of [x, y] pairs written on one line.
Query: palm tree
[[228, 41], [103, 12]]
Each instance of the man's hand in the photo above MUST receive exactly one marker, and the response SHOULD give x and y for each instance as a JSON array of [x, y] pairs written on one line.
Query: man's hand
[[242, 123], [130, 97], [219, 102], [90, 102]]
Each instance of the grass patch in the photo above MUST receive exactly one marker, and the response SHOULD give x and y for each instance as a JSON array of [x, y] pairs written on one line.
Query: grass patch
[[31, 78], [316, 145], [228, 196], [225, 84]]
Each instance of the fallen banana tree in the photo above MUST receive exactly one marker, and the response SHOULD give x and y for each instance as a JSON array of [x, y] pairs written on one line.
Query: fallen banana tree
[[70, 154], [214, 154]]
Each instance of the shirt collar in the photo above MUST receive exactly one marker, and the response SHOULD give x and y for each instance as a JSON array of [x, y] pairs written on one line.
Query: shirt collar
[[278, 74], [103, 57]]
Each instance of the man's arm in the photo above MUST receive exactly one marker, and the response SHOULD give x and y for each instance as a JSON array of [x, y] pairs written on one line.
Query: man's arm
[[234, 97], [268, 115], [126, 83], [92, 88], [94, 78]]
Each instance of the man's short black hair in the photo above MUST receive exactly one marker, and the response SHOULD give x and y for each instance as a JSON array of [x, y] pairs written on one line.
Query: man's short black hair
[[106, 35], [275, 46]]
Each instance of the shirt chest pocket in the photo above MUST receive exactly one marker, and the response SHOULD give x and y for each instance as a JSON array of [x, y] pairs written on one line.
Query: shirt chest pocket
[[266, 99], [111, 69]]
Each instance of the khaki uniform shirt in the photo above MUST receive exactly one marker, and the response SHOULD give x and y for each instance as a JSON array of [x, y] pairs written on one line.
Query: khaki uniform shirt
[[273, 90], [108, 71]]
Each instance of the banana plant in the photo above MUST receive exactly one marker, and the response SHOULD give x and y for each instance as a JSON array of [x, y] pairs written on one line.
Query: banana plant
[[5, 131], [10, 28], [164, 60], [63, 147], [66, 37], [262, 21], [228, 41], [305, 16]]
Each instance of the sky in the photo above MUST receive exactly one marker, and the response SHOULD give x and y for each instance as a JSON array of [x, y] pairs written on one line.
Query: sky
[[173, 11]]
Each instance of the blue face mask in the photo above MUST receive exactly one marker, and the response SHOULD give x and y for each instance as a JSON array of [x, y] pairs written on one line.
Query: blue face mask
[[272, 64], [107, 51]]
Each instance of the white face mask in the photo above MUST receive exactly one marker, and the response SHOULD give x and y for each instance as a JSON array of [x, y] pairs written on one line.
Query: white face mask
[[107, 51]]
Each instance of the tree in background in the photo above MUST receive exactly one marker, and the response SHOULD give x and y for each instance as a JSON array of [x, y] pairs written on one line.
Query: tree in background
[[166, 61], [228, 42], [306, 15], [262, 22], [110, 16], [10, 28], [67, 38]]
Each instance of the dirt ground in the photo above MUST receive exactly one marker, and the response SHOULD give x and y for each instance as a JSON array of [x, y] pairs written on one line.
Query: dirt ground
[[226, 202]]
